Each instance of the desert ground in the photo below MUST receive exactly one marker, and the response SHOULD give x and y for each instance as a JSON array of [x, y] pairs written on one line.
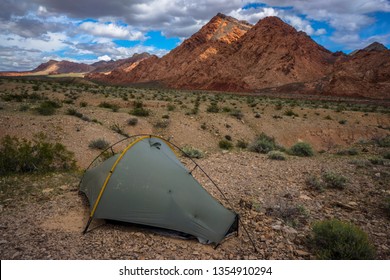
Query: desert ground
[[42, 215]]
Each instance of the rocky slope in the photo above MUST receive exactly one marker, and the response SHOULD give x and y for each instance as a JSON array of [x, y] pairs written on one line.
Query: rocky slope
[[363, 73]]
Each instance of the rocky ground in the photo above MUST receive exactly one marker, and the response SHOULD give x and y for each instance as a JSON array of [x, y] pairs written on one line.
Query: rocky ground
[[43, 215]]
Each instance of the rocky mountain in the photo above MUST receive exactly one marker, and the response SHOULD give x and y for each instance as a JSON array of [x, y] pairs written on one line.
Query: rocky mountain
[[124, 64], [232, 55], [365, 73], [61, 67], [227, 54]]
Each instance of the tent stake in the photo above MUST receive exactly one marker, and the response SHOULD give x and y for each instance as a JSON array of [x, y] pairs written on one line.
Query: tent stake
[[86, 227]]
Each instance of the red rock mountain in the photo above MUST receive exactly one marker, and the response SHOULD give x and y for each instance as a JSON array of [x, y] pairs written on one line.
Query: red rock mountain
[[227, 54], [365, 73], [124, 64], [60, 67]]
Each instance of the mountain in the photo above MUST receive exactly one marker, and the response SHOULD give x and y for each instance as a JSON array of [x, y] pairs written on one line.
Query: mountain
[[98, 69], [108, 66], [366, 73], [184, 67], [61, 67], [227, 54]]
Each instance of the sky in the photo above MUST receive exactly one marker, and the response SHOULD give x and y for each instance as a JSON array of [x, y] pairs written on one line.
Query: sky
[[35, 31]]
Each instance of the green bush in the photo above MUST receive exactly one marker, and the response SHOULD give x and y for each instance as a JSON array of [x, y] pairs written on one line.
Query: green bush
[[171, 107], [192, 152], [48, 108], [99, 144], [314, 182], [384, 141], [348, 152], [38, 155], [213, 108], [263, 144], [337, 240], [334, 180], [132, 121], [242, 144], [290, 113], [225, 145], [276, 155], [107, 105], [302, 149], [237, 114], [139, 110]]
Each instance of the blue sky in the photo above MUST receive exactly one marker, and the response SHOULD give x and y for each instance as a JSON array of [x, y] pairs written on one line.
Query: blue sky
[[35, 31]]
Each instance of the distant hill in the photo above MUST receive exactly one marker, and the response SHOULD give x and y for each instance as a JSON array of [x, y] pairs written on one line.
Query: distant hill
[[53, 67]]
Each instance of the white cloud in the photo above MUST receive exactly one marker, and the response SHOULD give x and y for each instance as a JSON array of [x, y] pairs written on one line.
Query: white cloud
[[111, 30], [104, 57]]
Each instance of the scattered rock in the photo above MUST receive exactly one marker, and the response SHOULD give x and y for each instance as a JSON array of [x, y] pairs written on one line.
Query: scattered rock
[[302, 253]]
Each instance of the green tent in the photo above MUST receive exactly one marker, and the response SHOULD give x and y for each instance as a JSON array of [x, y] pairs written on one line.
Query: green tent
[[147, 184]]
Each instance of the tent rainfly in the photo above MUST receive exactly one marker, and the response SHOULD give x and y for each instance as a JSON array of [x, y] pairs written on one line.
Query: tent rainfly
[[147, 184]]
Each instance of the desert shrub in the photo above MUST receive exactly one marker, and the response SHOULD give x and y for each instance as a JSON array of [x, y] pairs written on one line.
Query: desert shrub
[[302, 149], [171, 107], [38, 155], [192, 152], [83, 104], [334, 180], [342, 122], [203, 126], [315, 183], [237, 114], [140, 112], [225, 145], [337, 240], [118, 129], [162, 124], [242, 144], [228, 137], [348, 152], [384, 141], [47, 108], [24, 108], [132, 121], [74, 112], [263, 144], [276, 155], [111, 106], [213, 108], [386, 155], [99, 144], [290, 113]]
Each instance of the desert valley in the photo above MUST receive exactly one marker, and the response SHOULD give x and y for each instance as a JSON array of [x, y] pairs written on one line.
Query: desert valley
[[292, 133]]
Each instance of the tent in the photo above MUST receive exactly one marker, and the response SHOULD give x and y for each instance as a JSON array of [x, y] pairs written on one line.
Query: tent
[[147, 184]]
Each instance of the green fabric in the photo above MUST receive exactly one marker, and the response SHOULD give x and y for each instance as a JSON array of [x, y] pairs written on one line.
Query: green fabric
[[151, 186]]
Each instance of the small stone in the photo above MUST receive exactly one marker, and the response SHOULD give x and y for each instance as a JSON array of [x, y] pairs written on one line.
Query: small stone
[[64, 187], [302, 253], [48, 190], [16, 254], [304, 197], [276, 227], [290, 230], [377, 174]]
